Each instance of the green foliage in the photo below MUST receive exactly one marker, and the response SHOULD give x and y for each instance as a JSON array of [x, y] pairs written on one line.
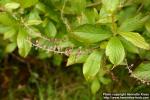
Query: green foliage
[[142, 72], [7, 19], [92, 64], [136, 39], [95, 86], [103, 35], [91, 34], [26, 3], [12, 5], [23, 45], [129, 46], [74, 58], [115, 51], [132, 24], [50, 30], [110, 6], [10, 47]]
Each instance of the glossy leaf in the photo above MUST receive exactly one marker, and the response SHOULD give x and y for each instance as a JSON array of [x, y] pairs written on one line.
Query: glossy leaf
[[10, 47], [92, 64], [89, 16], [34, 18], [147, 25], [142, 72], [4, 28], [12, 5], [23, 45], [50, 29], [95, 86], [105, 80], [110, 5], [34, 32], [50, 13], [134, 23], [75, 57], [136, 39], [26, 3], [78, 6], [125, 14], [104, 16], [115, 51], [40, 6], [91, 33], [7, 19], [10, 33], [34, 22], [129, 46], [103, 44]]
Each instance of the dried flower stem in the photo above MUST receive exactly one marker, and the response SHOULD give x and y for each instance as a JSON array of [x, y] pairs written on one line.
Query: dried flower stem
[[62, 16], [46, 49]]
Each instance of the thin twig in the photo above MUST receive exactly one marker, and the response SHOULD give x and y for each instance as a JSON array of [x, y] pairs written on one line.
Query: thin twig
[[62, 16], [46, 49], [141, 6], [18, 58], [94, 4]]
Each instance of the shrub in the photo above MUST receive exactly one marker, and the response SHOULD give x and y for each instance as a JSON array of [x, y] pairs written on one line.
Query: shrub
[[106, 36]]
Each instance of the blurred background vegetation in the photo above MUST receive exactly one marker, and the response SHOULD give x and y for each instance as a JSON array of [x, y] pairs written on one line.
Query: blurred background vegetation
[[48, 79], [31, 78]]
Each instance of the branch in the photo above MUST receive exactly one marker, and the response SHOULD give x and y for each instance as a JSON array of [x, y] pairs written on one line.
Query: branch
[[94, 4], [62, 16]]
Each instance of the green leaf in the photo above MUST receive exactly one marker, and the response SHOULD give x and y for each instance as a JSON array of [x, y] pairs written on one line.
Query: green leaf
[[10, 33], [4, 28], [95, 86], [103, 44], [78, 6], [115, 51], [91, 33], [129, 46], [34, 15], [40, 6], [26, 3], [48, 11], [88, 16], [34, 22], [50, 29], [105, 80], [12, 5], [34, 18], [136, 39], [10, 47], [75, 58], [142, 72], [144, 54], [110, 5], [65, 44], [104, 16], [134, 23], [7, 19], [127, 13], [23, 45], [147, 25], [34, 32], [92, 64]]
